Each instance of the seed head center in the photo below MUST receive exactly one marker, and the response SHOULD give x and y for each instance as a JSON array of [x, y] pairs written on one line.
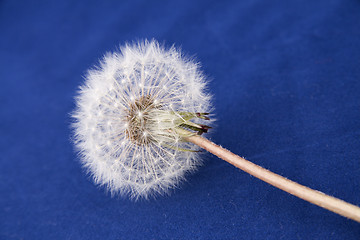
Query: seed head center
[[137, 117]]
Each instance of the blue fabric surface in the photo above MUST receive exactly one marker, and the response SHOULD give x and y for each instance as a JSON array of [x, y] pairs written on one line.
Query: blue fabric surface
[[285, 79]]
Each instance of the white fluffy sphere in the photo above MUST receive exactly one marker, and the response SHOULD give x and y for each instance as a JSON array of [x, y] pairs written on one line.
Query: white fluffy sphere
[[128, 114]]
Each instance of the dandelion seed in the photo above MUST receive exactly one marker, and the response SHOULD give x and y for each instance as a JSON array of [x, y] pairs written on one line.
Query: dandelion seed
[[143, 91]]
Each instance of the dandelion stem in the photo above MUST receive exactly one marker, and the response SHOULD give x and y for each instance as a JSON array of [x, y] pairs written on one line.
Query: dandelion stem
[[318, 198]]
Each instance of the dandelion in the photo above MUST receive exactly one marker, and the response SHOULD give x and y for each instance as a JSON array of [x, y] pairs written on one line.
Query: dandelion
[[138, 123], [132, 115]]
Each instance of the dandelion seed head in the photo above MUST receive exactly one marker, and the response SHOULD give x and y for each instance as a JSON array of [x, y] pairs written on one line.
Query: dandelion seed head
[[129, 112]]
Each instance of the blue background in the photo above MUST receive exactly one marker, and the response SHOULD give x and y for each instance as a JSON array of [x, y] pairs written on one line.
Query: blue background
[[285, 79]]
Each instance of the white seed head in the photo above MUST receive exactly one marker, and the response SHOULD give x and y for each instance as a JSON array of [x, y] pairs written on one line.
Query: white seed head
[[129, 114]]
